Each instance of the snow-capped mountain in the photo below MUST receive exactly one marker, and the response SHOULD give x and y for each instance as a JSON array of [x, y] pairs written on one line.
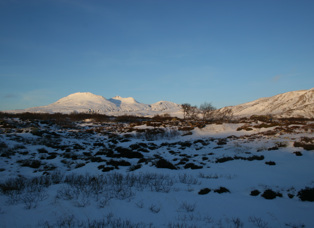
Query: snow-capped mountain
[[291, 104], [88, 102]]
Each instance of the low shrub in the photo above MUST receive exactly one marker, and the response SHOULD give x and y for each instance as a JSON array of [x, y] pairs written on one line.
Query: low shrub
[[270, 194], [256, 157], [258, 222], [264, 118], [162, 163], [255, 193], [157, 134], [135, 167], [245, 127], [3, 145], [105, 168], [116, 163], [30, 163], [298, 153], [290, 195], [204, 191], [185, 144], [13, 184], [222, 190], [222, 142], [154, 208], [224, 159], [135, 146], [97, 159], [270, 163], [79, 165], [42, 151], [251, 158], [192, 166], [306, 194], [127, 153], [305, 146], [188, 179], [306, 143], [273, 148], [52, 155], [187, 207]]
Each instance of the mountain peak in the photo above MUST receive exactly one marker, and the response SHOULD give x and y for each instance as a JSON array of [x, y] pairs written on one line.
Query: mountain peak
[[127, 100], [117, 97], [80, 97], [82, 94]]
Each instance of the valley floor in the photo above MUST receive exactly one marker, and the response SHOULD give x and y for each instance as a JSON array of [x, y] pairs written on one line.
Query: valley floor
[[93, 174]]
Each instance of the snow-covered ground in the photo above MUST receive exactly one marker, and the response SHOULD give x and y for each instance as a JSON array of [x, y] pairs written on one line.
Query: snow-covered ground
[[101, 175]]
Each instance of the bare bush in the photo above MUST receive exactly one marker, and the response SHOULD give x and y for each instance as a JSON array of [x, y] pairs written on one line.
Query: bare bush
[[258, 222], [104, 200], [140, 204], [180, 225], [31, 199], [237, 223], [154, 208], [67, 221], [188, 179], [157, 134], [187, 207], [206, 110], [66, 193]]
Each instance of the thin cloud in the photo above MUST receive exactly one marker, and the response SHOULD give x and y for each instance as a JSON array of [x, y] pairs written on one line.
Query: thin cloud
[[10, 96]]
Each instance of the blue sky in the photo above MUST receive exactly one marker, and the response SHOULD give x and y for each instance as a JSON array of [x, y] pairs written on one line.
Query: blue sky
[[185, 51]]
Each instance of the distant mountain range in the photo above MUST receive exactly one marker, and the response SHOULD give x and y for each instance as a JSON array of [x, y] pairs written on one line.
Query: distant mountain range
[[88, 102], [291, 104]]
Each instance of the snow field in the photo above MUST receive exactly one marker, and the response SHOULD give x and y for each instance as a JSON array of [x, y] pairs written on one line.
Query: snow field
[[149, 196]]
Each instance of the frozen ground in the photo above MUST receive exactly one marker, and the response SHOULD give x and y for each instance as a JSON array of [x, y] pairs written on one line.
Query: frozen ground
[[88, 174]]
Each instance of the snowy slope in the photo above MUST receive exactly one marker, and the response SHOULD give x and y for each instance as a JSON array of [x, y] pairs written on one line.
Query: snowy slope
[[129, 104], [165, 105], [88, 102], [77, 102], [290, 104]]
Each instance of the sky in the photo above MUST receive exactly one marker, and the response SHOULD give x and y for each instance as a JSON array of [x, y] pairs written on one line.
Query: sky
[[224, 52]]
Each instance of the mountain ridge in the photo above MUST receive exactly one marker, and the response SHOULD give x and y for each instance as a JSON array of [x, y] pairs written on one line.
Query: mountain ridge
[[89, 102], [298, 103]]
